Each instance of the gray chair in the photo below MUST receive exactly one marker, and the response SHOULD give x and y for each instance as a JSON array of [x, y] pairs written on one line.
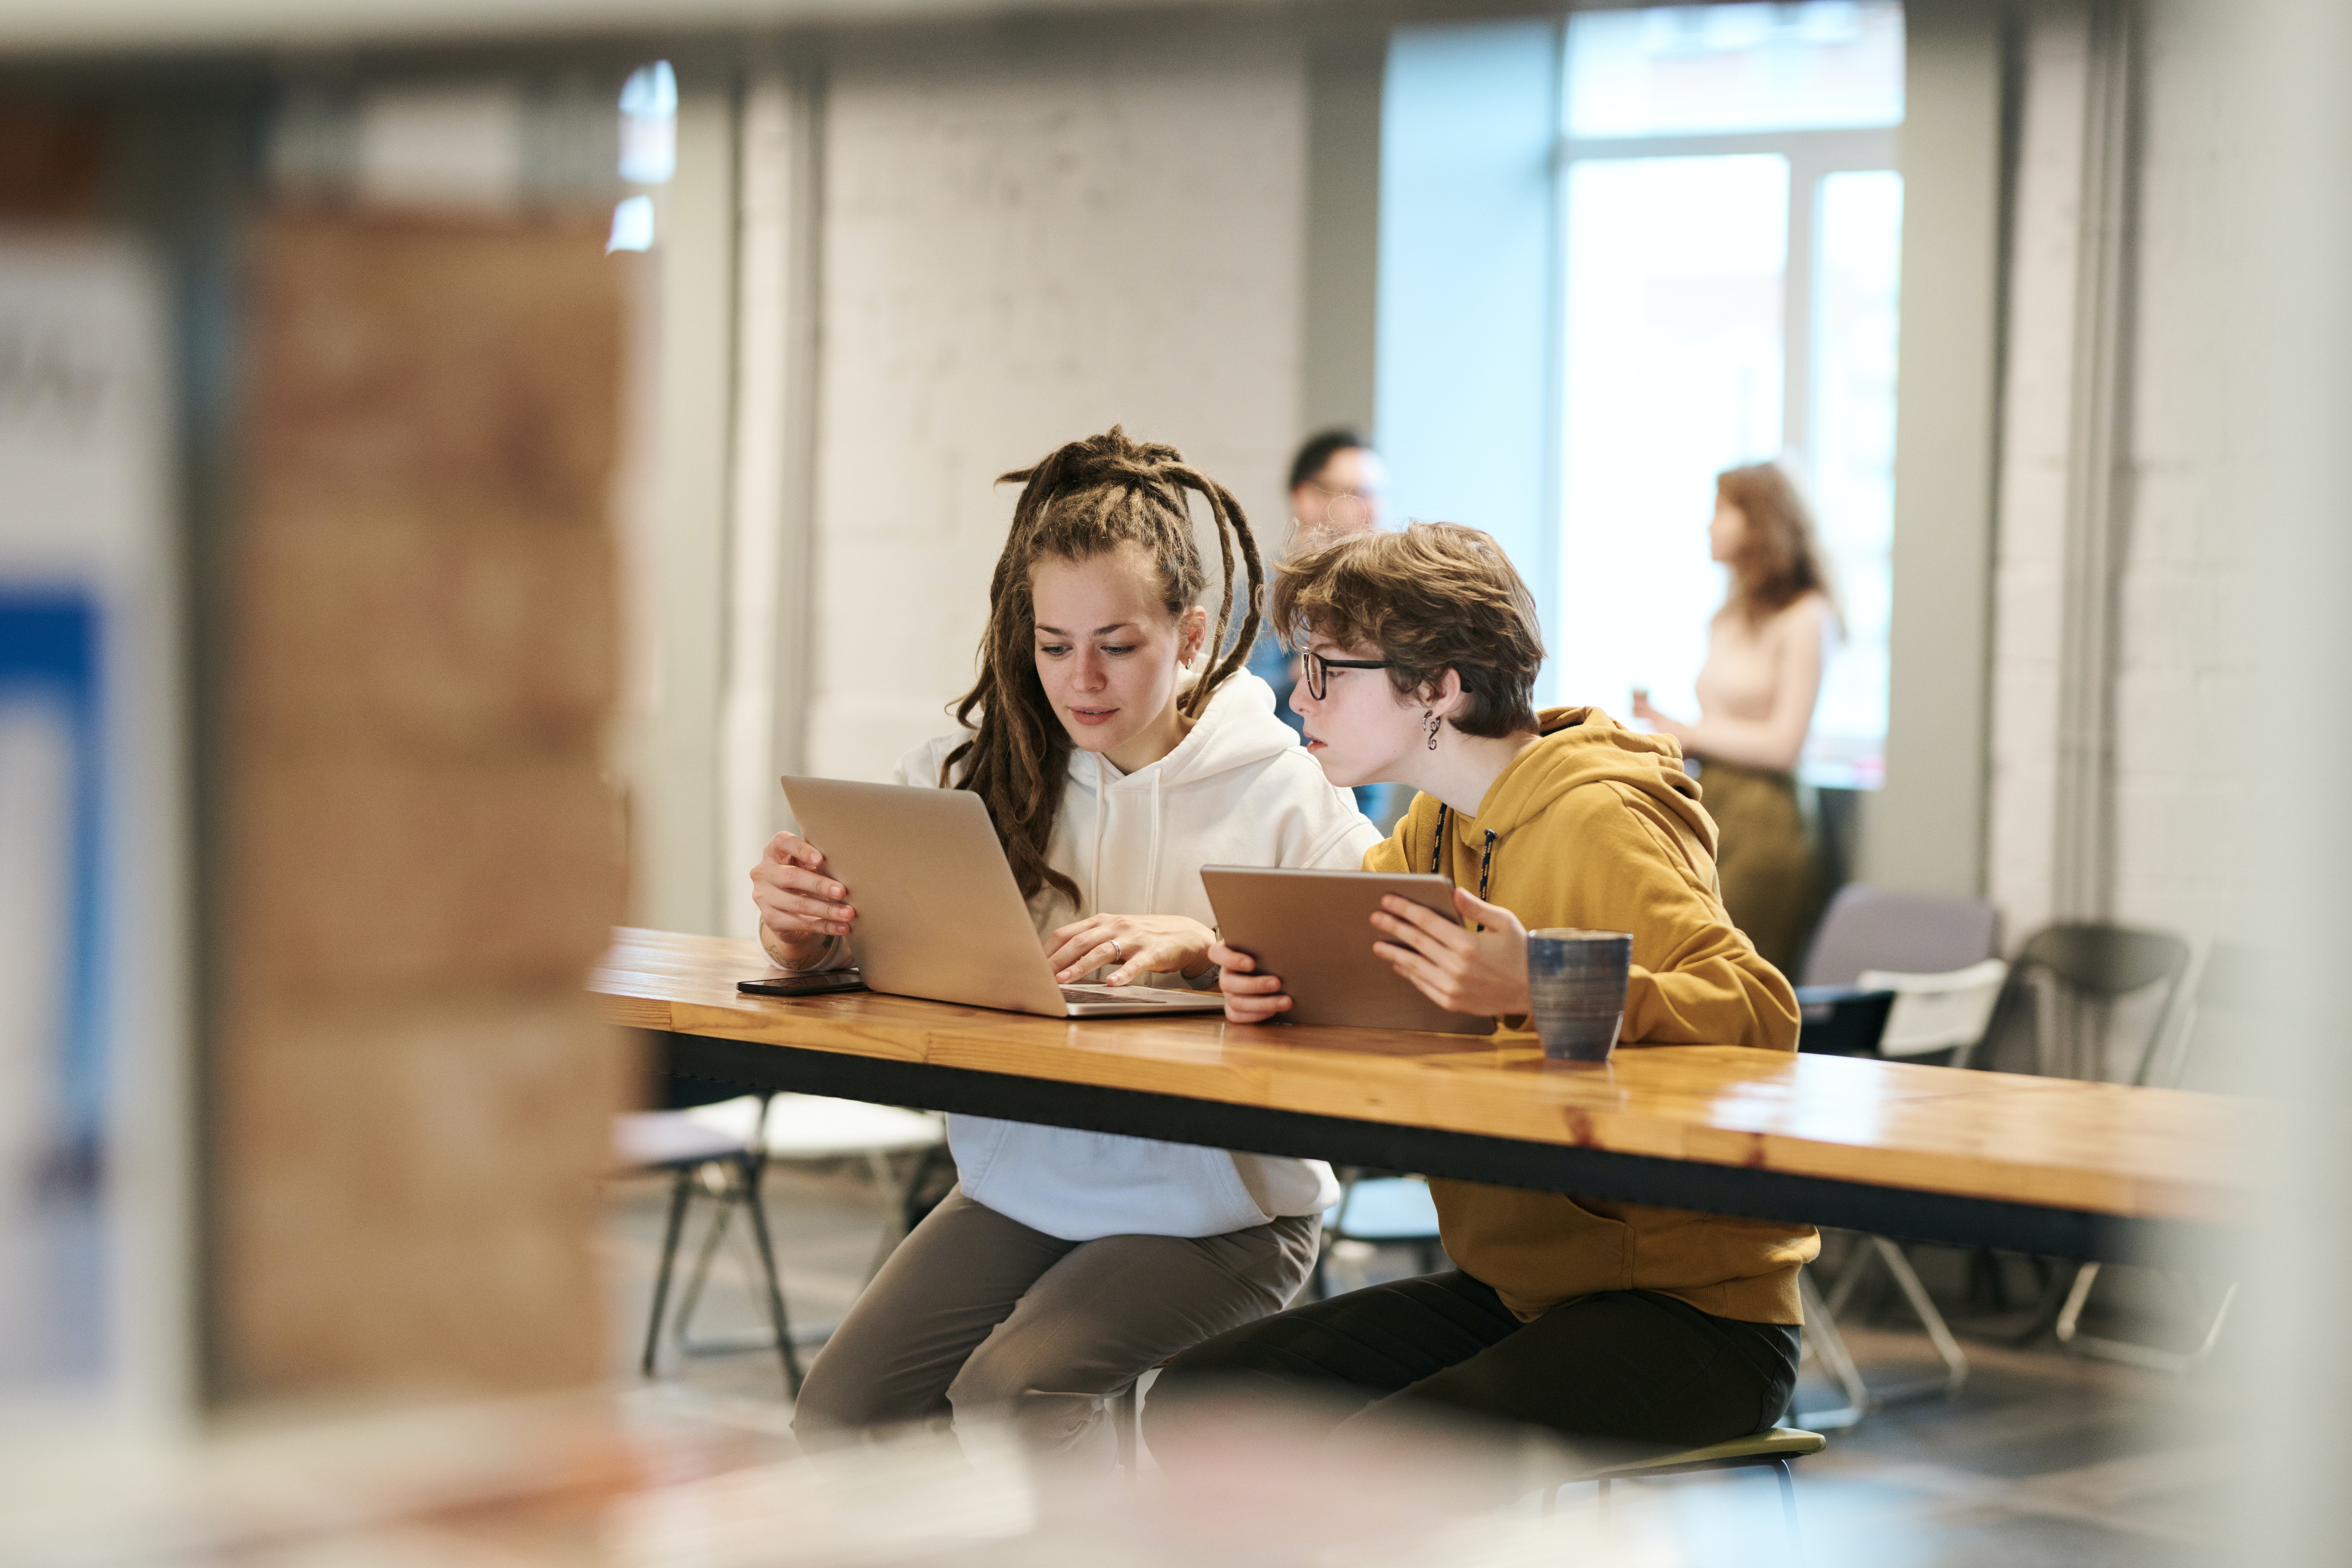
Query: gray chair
[[2079, 971], [1868, 929], [1918, 934], [2223, 991]]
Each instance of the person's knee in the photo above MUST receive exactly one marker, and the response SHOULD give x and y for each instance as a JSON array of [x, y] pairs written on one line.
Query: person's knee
[[833, 1409], [841, 1402], [992, 1378]]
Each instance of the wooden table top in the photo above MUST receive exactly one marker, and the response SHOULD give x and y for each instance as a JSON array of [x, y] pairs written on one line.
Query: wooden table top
[[2093, 1148]]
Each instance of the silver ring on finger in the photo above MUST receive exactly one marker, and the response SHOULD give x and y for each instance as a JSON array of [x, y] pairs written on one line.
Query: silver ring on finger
[[1117, 951]]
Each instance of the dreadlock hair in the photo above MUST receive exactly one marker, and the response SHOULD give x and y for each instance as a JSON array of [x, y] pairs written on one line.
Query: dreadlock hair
[[1085, 500]]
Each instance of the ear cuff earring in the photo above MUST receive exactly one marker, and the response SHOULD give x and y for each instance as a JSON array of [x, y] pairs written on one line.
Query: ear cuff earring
[[1429, 726]]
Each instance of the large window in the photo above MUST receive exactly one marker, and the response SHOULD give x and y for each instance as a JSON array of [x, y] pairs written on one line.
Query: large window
[[1732, 235]]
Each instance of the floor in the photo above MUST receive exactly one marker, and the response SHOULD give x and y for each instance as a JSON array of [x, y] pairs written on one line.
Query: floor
[[2043, 1458]]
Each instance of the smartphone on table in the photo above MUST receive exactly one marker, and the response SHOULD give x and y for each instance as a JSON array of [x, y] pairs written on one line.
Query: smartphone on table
[[823, 982]]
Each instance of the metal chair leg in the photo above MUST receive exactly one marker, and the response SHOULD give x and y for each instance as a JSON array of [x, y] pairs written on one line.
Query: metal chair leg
[[751, 1168], [1955, 1360], [699, 1275], [1842, 1289], [2070, 1316], [1922, 1307], [1821, 1337], [1788, 1503], [680, 1191]]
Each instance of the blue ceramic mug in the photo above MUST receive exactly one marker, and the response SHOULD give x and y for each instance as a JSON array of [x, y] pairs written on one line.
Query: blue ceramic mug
[[1575, 980]]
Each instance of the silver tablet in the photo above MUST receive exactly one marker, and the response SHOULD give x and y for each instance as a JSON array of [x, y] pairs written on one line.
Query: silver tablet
[[1315, 929]]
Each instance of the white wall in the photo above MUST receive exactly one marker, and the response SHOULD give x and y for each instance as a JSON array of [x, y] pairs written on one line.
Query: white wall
[[1020, 248], [2180, 747], [2028, 577], [2171, 789], [1924, 831]]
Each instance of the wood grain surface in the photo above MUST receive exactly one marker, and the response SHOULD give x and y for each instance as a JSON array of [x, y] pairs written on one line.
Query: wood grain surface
[[2105, 1149]]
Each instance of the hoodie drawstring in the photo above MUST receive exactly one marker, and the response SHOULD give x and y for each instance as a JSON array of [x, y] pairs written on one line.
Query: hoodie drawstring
[[1437, 854], [1094, 872], [1152, 866]]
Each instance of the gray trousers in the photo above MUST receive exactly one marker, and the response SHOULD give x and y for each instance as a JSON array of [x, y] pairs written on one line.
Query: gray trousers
[[978, 1316]]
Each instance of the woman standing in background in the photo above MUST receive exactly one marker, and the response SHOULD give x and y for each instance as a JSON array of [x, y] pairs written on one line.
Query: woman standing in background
[[1766, 649]]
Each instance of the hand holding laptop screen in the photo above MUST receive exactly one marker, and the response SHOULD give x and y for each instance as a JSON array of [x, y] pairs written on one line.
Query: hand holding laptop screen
[[802, 908]]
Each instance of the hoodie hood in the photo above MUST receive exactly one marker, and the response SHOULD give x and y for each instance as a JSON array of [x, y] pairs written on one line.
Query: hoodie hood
[[1237, 730], [1236, 735], [1583, 746]]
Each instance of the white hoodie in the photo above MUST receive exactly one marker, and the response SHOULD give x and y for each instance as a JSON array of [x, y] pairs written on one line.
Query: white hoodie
[[1237, 791]]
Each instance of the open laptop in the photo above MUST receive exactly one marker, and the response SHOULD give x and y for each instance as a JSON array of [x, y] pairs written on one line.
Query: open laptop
[[938, 914], [1315, 929]]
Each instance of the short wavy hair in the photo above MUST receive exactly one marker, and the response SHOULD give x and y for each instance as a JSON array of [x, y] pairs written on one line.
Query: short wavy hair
[[1435, 597]]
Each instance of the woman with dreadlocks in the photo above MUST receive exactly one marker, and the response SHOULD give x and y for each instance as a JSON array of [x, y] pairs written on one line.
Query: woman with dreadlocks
[[1065, 1264]]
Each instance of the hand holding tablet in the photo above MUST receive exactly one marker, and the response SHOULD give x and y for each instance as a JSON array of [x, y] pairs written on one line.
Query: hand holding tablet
[[1305, 947], [1477, 963]]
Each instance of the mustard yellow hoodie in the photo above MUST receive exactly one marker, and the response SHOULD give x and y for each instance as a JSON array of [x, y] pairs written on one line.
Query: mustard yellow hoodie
[[1598, 826]]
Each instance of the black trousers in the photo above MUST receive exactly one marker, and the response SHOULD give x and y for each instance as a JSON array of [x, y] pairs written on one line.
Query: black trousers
[[1624, 1365]]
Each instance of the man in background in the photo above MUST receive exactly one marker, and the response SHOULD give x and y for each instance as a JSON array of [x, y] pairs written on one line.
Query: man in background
[[1335, 488]]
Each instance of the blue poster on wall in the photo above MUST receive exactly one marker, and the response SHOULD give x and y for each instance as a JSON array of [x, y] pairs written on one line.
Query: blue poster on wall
[[94, 1216], [53, 1040], [50, 717]]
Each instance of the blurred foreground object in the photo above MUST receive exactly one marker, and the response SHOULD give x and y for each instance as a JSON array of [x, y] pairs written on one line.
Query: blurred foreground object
[[413, 1095], [650, 1480]]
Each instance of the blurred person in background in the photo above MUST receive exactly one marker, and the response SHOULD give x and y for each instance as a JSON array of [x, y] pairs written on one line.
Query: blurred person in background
[[1065, 1263], [1335, 489], [1765, 652]]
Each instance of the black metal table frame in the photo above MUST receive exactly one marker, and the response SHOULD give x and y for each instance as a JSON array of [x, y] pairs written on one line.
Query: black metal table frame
[[1902, 1212]]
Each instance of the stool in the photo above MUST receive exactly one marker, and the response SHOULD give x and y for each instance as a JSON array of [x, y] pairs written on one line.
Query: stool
[[1774, 1448]]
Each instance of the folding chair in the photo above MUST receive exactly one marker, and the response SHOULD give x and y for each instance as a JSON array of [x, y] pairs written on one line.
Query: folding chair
[[1933, 954]]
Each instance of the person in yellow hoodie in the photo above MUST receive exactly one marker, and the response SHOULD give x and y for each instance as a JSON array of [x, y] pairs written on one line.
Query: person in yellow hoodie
[[1598, 1319]]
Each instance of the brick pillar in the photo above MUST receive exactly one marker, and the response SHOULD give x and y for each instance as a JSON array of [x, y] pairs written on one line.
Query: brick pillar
[[411, 1097]]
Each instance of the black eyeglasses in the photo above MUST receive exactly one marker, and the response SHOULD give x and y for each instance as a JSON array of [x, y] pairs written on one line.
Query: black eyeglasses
[[1316, 666]]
